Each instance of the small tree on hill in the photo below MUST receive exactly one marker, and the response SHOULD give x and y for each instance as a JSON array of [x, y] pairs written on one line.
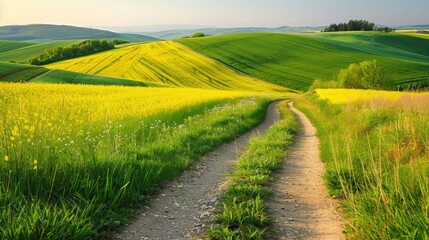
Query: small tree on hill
[[373, 76], [365, 75], [198, 34]]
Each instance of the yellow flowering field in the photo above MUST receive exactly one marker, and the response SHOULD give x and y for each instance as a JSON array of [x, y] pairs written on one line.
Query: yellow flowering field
[[61, 112], [168, 63], [344, 96], [75, 159]]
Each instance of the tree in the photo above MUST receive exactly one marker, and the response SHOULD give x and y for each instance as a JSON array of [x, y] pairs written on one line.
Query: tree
[[198, 34], [351, 77], [352, 25], [365, 75], [373, 76], [76, 50]]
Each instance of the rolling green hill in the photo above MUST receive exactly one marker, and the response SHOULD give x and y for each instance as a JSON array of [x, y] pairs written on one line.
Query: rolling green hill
[[61, 76], [179, 33], [295, 60], [134, 38], [47, 32], [21, 52], [52, 32], [6, 46], [10, 72], [21, 55]]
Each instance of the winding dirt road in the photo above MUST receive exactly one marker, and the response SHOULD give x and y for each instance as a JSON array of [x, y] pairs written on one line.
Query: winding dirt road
[[300, 207], [183, 209]]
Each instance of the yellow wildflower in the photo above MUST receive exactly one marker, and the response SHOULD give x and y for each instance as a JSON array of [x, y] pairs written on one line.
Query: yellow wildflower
[[6, 158], [35, 164], [15, 131]]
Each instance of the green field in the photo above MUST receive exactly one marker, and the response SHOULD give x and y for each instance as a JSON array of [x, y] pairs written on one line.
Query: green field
[[62, 76], [6, 46], [10, 72], [134, 38], [23, 54], [295, 60]]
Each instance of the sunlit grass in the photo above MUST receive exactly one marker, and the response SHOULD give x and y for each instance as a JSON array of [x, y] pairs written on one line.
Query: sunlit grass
[[376, 154]]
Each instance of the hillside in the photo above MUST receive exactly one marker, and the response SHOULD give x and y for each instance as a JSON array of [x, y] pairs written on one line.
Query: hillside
[[6, 46], [46, 32], [134, 38], [167, 63], [10, 72], [62, 76], [52, 32], [24, 50], [295, 60], [179, 33]]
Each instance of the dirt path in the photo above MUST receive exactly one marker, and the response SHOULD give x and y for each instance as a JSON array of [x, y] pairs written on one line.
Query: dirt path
[[184, 207], [300, 207]]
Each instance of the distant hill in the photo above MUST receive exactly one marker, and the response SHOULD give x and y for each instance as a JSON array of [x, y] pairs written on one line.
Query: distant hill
[[296, 60], [406, 27], [41, 32], [179, 33]]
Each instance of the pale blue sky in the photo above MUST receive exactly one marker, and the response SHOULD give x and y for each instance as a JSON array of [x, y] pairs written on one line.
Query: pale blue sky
[[220, 13]]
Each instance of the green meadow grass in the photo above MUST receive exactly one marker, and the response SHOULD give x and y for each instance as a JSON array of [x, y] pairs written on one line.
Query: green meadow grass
[[376, 158], [10, 72], [24, 53], [295, 60], [243, 212], [6, 46], [83, 189], [62, 76]]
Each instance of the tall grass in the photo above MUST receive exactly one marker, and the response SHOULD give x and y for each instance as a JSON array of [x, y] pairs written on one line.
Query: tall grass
[[75, 160], [376, 155], [243, 213]]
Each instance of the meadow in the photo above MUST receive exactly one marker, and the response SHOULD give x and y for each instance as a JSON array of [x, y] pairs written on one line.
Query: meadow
[[153, 62], [11, 72], [375, 150], [22, 53], [296, 60], [76, 159], [6, 46]]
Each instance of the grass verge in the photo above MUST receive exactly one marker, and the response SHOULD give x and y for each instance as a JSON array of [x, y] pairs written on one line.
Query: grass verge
[[376, 156], [242, 212]]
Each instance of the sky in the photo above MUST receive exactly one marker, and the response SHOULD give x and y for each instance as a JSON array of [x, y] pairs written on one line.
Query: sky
[[214, 13]]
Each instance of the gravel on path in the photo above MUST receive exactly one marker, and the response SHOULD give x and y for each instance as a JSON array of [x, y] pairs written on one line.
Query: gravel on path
[[184, 207]]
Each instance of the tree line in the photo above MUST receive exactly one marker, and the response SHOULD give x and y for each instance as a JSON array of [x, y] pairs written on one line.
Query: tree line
[[356, 25], [76, 50]]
